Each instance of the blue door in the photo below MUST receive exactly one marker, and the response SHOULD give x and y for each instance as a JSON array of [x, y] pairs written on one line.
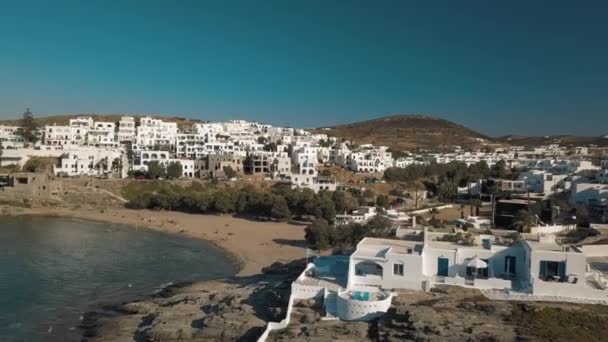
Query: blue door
[[442, 267]]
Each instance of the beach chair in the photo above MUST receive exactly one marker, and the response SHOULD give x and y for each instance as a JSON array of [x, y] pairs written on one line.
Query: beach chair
[[366, 296]]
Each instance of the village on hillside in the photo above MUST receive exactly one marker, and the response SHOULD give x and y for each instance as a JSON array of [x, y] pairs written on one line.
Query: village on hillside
[[515, 222]]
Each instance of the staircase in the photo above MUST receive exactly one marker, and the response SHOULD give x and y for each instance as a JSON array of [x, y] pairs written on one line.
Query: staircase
[[331, 305]]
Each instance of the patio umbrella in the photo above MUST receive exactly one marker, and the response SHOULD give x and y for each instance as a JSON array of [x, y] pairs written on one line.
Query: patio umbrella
[[477, 263]]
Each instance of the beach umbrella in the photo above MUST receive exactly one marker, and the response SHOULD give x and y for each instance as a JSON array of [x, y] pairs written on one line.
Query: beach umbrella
[[477, 263]]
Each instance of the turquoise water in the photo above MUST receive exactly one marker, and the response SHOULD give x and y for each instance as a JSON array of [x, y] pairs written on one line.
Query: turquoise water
[[52, 270]]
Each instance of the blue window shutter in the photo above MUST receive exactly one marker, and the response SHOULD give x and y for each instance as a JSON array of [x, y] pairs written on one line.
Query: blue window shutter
[[561, 269], [543, 268]]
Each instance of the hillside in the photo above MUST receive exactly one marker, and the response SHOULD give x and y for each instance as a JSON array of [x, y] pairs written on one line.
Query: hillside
[[406, 133], [182, 123], [562, 140]]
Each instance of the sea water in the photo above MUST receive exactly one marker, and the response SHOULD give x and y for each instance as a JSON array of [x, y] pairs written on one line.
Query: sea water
[[53, 270]]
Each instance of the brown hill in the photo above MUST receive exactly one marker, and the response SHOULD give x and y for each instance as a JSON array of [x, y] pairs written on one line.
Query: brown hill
[[182, 123], [562, 140], [407, 132]]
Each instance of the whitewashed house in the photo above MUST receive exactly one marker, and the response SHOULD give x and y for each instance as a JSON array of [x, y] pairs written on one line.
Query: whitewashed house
[[533, 265], [155, 132], [127, 130], [77, 161], [360, 215], [102, 134], [9, 137]]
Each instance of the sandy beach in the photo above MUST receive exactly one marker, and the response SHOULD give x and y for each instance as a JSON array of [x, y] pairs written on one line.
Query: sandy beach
[[253, 244]]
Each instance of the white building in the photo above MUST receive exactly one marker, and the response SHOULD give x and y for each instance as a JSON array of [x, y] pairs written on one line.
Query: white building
[[127, 130], [360, 215], [368, 160], [9, 137], [533, 265], [190, 168], [361, 288], [77, 161], [155, 132], [542, 182], [102, 134], [307, 177]]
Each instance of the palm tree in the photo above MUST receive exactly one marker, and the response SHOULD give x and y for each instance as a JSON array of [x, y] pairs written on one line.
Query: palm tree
[[524, 221], [433, 220], [477, 204], [101, 165]]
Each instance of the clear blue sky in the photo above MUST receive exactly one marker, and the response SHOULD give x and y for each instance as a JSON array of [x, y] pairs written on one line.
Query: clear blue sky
[[501, 68]]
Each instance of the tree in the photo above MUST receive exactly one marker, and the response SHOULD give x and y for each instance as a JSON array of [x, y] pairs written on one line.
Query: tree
[[477, 204], [224, 201], [523, 221], [325, 207], [433, 221], [101, 165], [344, 201], [155, 170], [319, 235], [462, 206], [499, 170], [382, 201], [262, 140], [27, 127], [279, 209], [446, 190], [271, 147], [305, 203], [418, 185], [174, 170], [229, 172], [379, 226], [582, 216], [116, 165]]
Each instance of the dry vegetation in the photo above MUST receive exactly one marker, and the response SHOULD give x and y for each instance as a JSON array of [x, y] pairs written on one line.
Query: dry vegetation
[[182, 123], [562, 140], [406, 132]]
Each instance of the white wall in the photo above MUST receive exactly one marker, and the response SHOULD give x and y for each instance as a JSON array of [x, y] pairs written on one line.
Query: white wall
[[595, 250], [350, 309], [575, 262]]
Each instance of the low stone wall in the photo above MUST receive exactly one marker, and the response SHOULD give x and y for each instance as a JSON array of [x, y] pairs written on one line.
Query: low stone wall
[[555, 289], [550, 229]]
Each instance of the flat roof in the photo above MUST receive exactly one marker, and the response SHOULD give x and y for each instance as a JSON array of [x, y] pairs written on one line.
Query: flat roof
[[551, 247], [378, 248]]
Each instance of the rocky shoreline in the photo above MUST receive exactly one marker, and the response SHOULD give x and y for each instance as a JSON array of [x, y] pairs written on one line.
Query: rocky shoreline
[[238, 308], [232, 309]]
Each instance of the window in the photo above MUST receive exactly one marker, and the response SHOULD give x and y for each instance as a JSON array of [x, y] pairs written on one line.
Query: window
[[398, 269], [510, 264]]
